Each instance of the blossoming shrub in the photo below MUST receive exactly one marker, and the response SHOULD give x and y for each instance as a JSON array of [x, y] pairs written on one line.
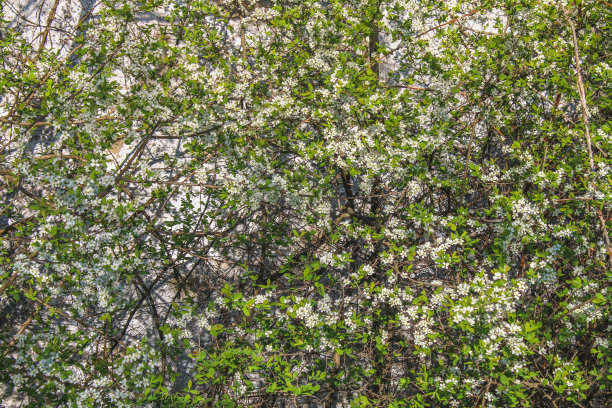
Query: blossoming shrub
[[306, 203]]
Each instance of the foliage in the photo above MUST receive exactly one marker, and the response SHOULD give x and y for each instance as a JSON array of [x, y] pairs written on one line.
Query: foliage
[[352, 202]]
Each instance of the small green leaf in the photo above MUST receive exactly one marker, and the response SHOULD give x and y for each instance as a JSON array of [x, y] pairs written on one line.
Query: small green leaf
[[504, 380]]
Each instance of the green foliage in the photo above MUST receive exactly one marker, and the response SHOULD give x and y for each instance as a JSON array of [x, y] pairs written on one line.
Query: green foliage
[[362, 203]]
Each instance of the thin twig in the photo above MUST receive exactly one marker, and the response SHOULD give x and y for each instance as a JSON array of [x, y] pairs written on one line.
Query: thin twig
[[450, 22], [585, 119], [47, 29], [21, 330], [173, 183], [467, 157]]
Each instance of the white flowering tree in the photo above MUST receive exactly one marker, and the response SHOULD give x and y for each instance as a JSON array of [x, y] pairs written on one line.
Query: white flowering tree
[[306, 203]]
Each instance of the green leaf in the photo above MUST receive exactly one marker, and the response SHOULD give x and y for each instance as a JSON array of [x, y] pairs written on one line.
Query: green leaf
[[503, 379]]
